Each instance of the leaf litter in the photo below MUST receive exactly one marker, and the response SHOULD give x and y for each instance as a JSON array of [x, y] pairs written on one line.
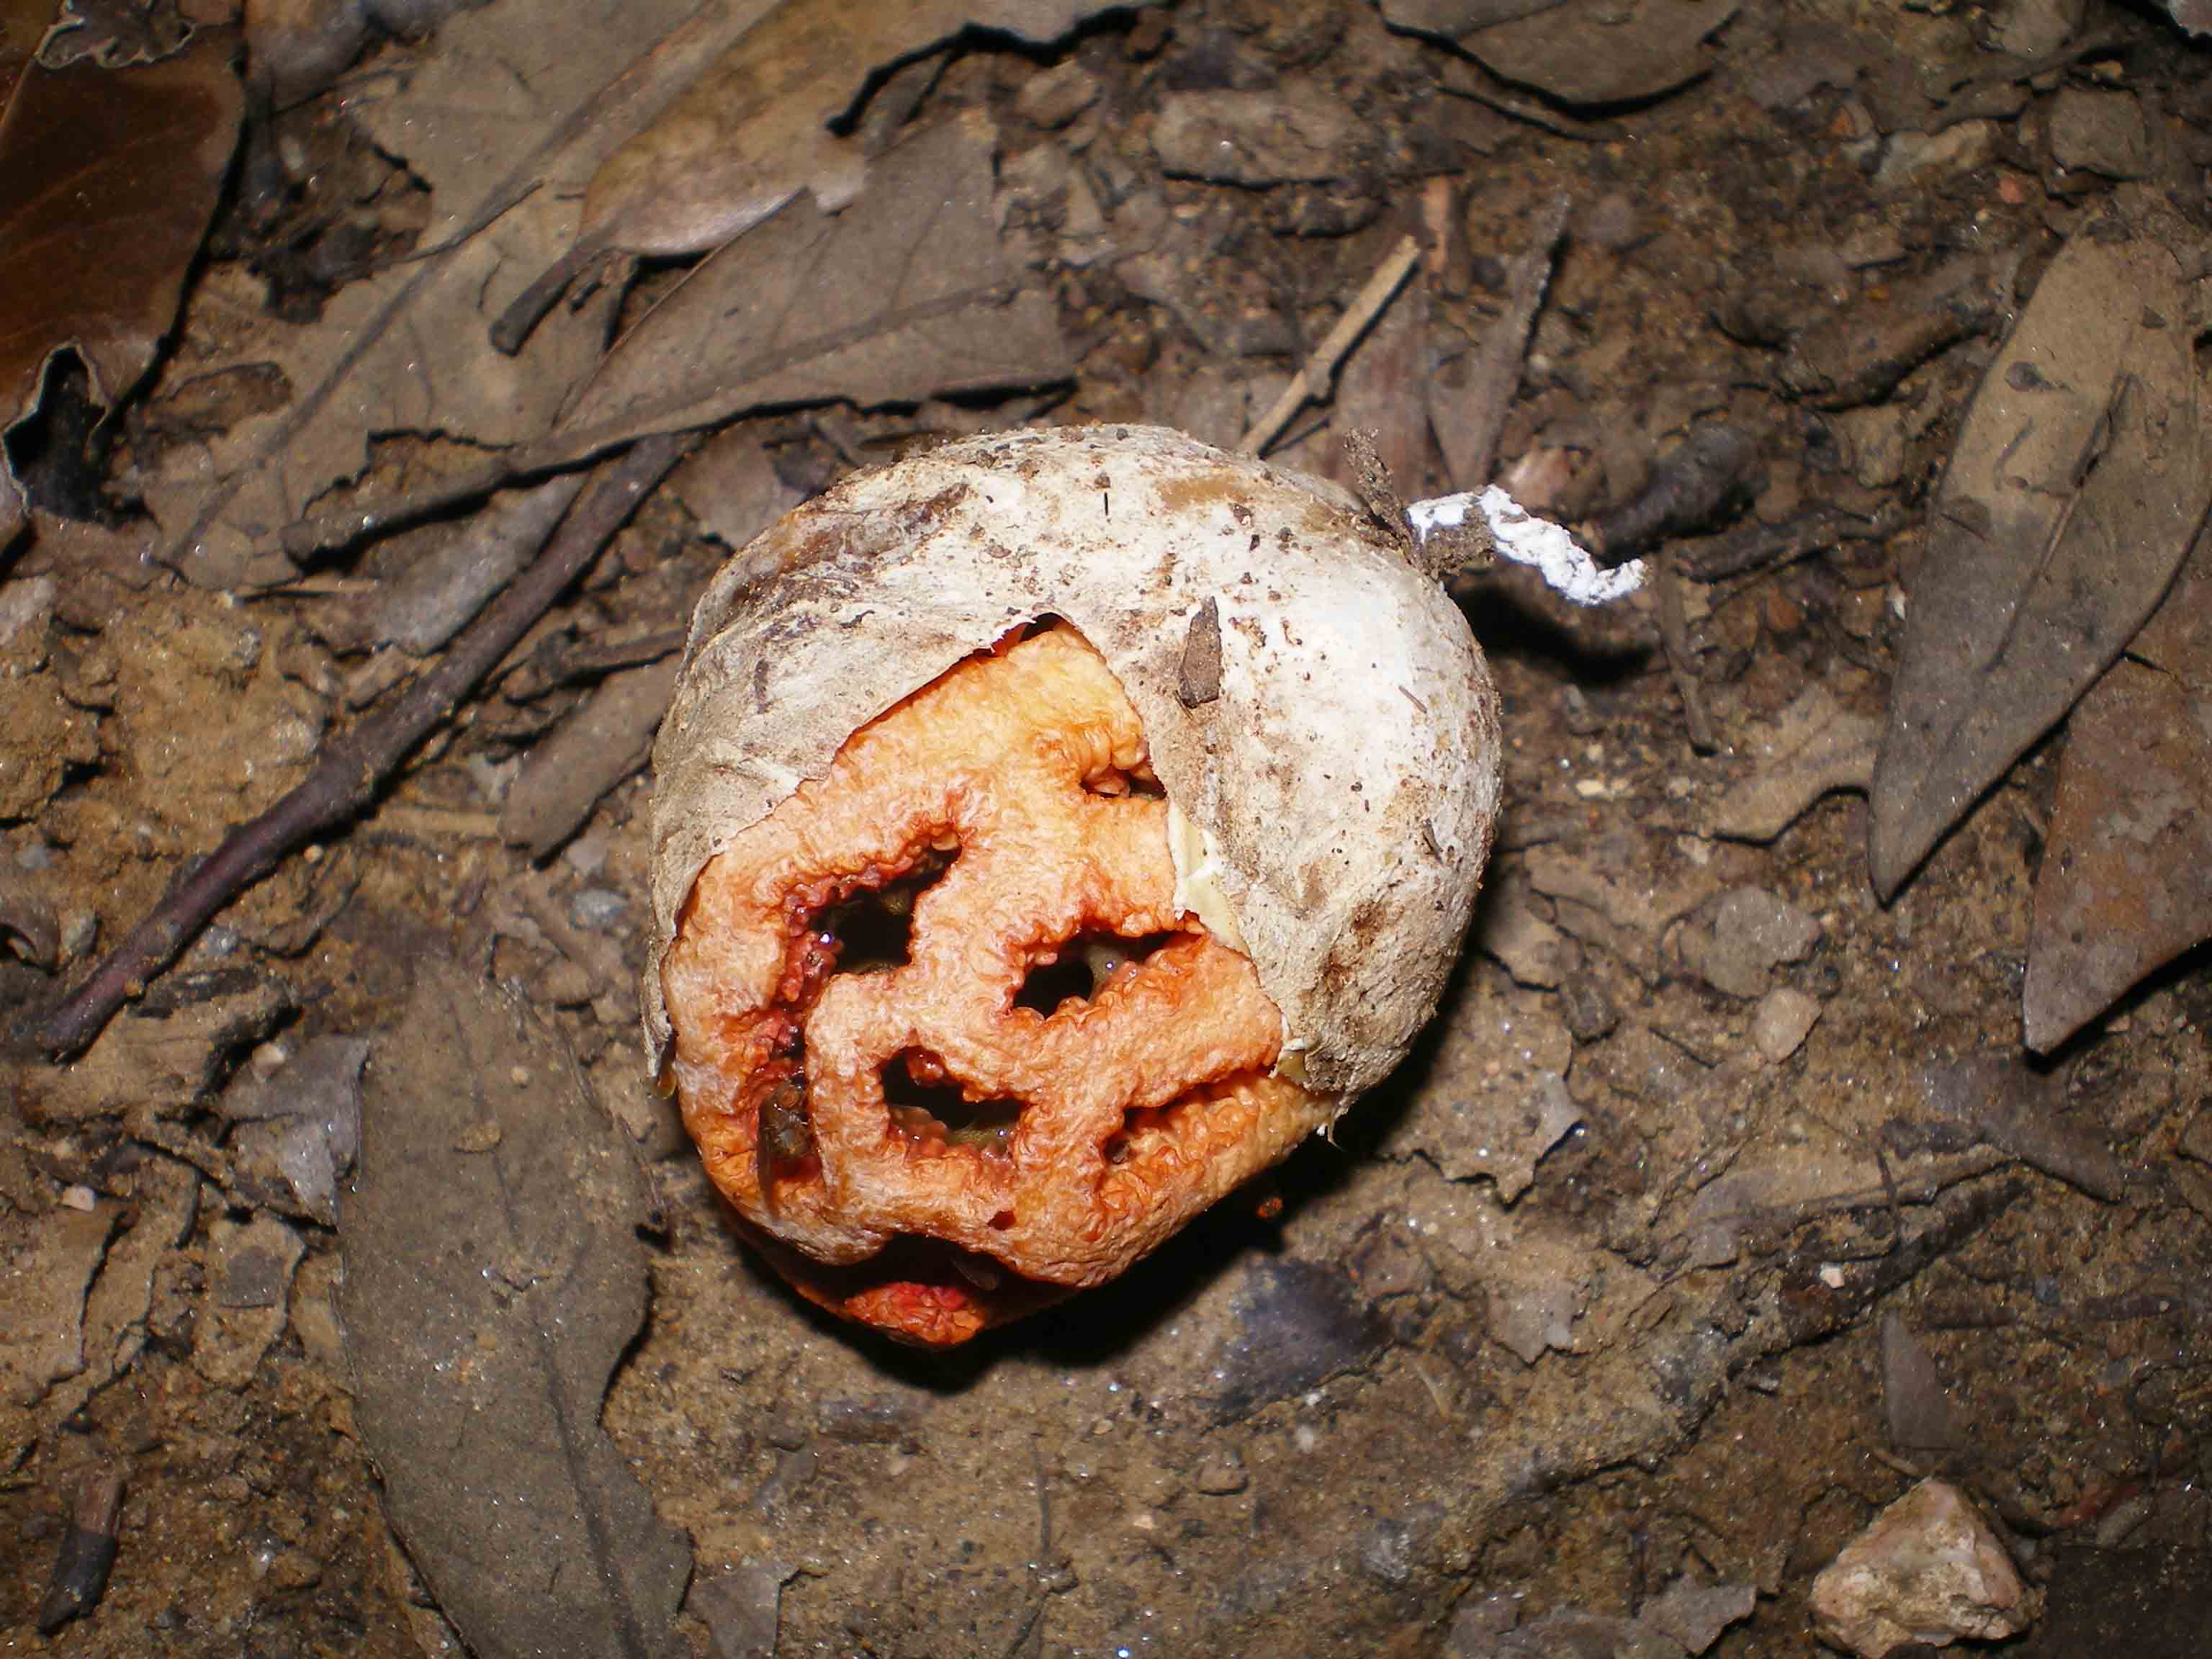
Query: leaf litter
[[762, 123], [503, 123], [493, 1279], [2069, 500]]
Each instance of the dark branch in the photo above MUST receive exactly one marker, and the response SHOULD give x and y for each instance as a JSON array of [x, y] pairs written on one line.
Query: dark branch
[[354, 767]]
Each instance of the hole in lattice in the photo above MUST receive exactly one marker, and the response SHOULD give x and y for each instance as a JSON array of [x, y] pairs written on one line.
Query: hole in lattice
[[932, 1110], [1146, 1129], [1115, 784], [871, 928], [1079, 969]]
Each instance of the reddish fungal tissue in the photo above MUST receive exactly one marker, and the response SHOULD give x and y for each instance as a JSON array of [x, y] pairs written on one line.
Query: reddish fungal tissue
[[942, 1038]]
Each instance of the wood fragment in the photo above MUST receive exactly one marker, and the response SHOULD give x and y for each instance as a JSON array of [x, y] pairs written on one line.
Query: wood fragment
[[1693, 485], [87, 1551], [1318, 372], [1756, 546], [588, 754], [1681, 665], [1467, 419], [354, 767], [561, 660]]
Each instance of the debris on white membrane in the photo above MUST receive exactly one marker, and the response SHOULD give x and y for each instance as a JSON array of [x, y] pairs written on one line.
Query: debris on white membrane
[[1523, 538]]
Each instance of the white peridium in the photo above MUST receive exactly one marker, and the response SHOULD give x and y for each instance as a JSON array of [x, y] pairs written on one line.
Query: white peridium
[[1523, 538], [1335, 800]]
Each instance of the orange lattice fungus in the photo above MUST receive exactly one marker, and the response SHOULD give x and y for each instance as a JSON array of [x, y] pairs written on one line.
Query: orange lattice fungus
[[1022, 1048], [1049, 834]]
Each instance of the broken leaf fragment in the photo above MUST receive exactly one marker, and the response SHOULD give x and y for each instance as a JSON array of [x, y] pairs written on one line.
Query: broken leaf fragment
[[2126, 881], [2071, 498], [754, 127], [107, 179], [904, 295], [1579, 52], [487, 1300]]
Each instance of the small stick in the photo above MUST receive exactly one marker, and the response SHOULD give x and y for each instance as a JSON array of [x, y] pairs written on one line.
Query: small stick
[[1681, 661], [1318, 373], [354, 767]]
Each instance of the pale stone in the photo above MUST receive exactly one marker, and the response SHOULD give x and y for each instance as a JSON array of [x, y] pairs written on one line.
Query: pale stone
[[1928, 1569]]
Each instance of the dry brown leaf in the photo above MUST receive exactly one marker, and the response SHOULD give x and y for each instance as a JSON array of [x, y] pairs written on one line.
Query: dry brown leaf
[[506, 120], [294, 48], [903, 296], [2126, 882], [492, 1278], [1468, 402], [1454, 18], [2071, 498], [752, 131], [107, 179]]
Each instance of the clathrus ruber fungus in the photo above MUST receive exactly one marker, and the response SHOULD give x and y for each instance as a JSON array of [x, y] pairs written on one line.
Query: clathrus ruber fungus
[[1050, 831]]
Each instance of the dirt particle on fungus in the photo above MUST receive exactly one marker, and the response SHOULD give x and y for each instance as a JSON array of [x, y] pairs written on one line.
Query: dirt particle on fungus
[[1198, 675]]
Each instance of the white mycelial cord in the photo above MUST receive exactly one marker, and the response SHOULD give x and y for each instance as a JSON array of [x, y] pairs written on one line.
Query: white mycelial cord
[[1527, 539]]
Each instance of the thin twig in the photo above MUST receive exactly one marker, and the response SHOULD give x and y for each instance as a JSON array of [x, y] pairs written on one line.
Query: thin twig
[[1314, 380], [354, 767], [1681, 660]]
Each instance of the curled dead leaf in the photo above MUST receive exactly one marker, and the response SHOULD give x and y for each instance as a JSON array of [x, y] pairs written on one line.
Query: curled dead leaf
[[2071, 498]]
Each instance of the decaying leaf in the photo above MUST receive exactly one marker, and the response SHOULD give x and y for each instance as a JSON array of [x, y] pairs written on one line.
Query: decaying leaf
[[50, 1264], [2071, 498], [297, 47], [113, 33], [753, 129], [2126, 882], [1454, 18], [492, 1277], [1378, 390], [1813, 747], [107, 179], [903, 296], [1469, 401], [1579, 52], [731, 487], [506, 122]]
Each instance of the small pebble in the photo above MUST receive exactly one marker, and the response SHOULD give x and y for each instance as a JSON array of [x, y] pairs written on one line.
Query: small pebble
[[480, 1137], [79, 1197], [1056, 96], [1587, 1009], [564, 984], [1784, 1018], [1222, 1473], [587, 855]]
